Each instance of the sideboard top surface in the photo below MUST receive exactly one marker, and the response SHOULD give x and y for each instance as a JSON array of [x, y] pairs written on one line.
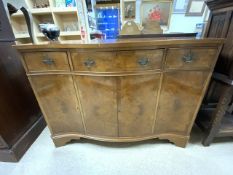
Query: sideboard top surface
[[123, 43]]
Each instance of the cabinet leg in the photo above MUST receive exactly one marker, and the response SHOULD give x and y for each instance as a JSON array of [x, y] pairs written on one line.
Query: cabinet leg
[[217, 117], [180, 142], [207, 141], [61, 141]]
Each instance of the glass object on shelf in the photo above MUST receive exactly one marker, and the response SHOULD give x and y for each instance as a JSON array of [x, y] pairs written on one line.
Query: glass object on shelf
[[108, 21], [71, 27], [60, 3]]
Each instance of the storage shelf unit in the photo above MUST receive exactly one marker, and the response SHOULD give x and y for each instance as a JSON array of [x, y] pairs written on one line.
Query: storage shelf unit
[[66, 18]]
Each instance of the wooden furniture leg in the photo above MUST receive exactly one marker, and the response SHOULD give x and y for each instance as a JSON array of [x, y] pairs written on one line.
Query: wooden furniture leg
[[222, 106], [62, 140]]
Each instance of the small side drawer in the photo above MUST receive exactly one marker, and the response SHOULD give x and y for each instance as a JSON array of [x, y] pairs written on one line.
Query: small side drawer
[[93, 61], [190, 58], [117, 61], [46, 61]]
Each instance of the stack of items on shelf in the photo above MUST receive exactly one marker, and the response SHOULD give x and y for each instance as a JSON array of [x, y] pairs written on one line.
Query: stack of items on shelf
[[62, 13]]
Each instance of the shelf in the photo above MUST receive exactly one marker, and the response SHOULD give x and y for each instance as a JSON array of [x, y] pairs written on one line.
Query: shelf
[[70, 33], [70, 38], [226, 128], [66, 18], [64, 10], [40, 11], [43, 40], [19, 26], [40, 35], [23, 41], [66, 22], [23, 35], [206, 116], [40, 19]]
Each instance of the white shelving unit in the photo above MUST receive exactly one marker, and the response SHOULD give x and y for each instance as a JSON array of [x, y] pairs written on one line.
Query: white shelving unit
[[66, 18]]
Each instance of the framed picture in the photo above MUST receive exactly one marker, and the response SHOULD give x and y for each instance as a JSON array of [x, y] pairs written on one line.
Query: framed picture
[[129, 10], [180, 6], [156, 11], [195, 8]]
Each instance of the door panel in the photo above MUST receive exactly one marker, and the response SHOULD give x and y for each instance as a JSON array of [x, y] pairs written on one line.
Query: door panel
[[98, 99], [225, 62], [180, 94], [57, 97], [217, 25], [136, 104]]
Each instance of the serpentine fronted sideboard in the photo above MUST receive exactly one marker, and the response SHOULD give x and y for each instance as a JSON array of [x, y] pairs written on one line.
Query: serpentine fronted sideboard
[[121, 91]]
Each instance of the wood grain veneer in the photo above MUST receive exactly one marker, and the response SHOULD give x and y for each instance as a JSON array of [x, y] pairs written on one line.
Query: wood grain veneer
[[121, 91]]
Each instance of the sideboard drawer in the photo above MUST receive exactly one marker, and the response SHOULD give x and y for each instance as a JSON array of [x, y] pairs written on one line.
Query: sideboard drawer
[[190, 58], [140, 60], [46, 61], [94, 61], [117, 61]]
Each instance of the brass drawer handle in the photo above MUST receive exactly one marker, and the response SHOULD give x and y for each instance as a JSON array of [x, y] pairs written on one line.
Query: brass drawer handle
[[188, 58], [143, 61], [48, 61], [89, 63]]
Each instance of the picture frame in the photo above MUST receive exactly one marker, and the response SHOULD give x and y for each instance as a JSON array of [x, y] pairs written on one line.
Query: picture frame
[[195, 8], [180, 6], [156, 10], [129, 10]]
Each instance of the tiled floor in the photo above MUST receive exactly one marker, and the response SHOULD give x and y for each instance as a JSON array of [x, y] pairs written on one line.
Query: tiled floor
[[143, 158]]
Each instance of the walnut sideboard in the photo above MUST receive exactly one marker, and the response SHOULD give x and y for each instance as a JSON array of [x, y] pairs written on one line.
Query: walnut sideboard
[[121, 91]]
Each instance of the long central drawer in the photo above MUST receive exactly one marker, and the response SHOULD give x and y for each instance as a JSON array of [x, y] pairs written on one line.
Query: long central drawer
[[117, 61]]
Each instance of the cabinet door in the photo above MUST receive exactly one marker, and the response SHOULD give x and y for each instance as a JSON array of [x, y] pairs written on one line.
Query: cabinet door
[[57, 98], [98, 100], [225, 62], [179, 99], [137, 96], [217, 24]]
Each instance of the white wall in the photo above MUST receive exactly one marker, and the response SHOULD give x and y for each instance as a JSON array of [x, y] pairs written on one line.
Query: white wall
[[184, 24]]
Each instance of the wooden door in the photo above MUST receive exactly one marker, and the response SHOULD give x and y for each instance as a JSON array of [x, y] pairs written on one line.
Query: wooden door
[[137, 96], [179, 99], [225, 62], [99, 102], [57, 98], [218, 25]]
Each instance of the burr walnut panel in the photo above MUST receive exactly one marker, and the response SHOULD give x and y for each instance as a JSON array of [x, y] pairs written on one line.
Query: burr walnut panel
[[56, 95], [96, 92], [121, 92], [180, 93], [136, 107]]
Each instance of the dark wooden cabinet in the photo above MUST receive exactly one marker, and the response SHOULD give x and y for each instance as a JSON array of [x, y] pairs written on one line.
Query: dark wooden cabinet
[[20, 116], [220, 25], [215, 115]]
